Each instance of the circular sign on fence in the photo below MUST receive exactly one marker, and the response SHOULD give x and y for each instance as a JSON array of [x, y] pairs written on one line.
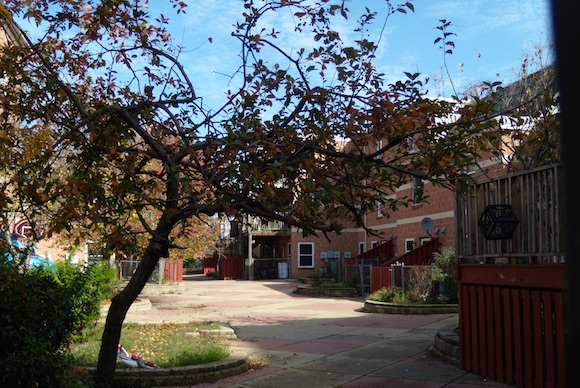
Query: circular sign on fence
[[24, 230]]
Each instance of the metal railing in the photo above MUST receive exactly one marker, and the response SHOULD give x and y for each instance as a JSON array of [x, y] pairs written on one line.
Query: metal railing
[[126, 269]]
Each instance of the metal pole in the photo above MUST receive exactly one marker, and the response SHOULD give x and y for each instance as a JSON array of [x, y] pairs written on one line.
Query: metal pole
[[250, 257]]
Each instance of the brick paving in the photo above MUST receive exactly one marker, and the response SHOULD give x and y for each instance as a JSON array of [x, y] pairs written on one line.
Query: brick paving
[[304, 341]]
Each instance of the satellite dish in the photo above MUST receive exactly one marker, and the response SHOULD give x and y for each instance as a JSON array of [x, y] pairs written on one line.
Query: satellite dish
[[427, 224]]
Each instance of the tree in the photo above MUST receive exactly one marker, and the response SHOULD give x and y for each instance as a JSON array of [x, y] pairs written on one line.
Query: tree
[[110, 129]]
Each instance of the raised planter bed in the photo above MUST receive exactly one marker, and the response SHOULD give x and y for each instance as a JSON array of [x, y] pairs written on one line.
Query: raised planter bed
[[446, 346], [372, 306], [235, 364], [328, 292], [317, 280]]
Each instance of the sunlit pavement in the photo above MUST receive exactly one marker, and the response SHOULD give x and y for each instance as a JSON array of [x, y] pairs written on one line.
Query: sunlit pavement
[[303, 341]]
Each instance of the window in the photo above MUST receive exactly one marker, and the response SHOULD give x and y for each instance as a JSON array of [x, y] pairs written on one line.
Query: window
[[411, 145], [379, 209], [305, 255], [379, 147], [409, 244], [424, 240], [289, 250], [417, 194], [374, 244], [361, 248]]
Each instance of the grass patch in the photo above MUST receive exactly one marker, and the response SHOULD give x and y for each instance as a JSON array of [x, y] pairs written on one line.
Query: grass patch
[[167, 345]]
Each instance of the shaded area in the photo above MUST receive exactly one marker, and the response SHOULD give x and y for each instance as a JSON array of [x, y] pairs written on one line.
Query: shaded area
[[314, 342]]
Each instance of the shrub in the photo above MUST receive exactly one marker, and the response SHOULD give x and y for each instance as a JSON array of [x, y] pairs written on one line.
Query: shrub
[[41, 312], [390, 294], [420, 283], [443, 264], [86, 289]]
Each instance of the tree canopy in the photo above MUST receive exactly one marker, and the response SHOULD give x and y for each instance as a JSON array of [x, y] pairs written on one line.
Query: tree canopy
[[103, 131]]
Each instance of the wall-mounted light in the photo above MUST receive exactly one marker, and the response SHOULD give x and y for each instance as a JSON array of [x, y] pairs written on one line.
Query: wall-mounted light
[[436, 232], [498, 222]]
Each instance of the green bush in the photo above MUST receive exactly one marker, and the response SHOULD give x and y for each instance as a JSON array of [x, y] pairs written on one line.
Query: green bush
[[41, 312], [87, 289], [443, 264], [391, 295]]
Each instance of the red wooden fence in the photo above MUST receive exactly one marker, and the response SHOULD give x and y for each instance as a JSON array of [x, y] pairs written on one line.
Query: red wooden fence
[[423, 255], [173, 270], [511, 323], [209, 265], [380, 277], [229, 267], [381, 252]]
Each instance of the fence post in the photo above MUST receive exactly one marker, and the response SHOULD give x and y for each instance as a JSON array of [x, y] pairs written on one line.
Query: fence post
[[362, 278], [160, 269], [370, 279]]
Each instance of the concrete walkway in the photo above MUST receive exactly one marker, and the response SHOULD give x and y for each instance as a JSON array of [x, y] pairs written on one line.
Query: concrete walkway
[[313, 342]]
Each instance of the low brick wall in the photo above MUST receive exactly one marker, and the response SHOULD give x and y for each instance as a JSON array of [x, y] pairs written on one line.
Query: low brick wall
[[446, 346], [235, 364], [372, 306], [328, 292]]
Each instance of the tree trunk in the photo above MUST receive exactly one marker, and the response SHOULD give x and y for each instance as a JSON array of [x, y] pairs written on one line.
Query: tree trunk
[[120, 304]]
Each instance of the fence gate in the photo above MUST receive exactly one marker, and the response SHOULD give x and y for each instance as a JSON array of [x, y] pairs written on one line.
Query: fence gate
[[511, 289], [359, 273]]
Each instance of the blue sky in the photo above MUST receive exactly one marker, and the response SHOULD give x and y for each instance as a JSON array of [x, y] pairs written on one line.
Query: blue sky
[[491, 39]]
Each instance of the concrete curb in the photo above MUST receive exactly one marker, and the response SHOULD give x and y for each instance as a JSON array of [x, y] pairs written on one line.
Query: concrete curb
[[372, 306], [235, 364]]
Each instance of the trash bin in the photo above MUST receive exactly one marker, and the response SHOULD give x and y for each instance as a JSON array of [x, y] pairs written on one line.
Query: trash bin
[[283, 270]]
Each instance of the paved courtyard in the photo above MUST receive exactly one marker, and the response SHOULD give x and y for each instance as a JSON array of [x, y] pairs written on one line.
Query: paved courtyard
[[304, 341]]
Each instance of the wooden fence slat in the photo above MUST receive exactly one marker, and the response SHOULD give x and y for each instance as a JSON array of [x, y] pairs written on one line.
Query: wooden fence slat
[[539, 353], [498, 352], [559, 314], [464, 332], [527, 338], [551, 359], [491, 333], [473, 331], [508, 320], [482, 332], [518, 356]]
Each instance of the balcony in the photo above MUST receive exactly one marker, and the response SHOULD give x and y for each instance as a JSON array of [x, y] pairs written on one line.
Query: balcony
[[262, 227]]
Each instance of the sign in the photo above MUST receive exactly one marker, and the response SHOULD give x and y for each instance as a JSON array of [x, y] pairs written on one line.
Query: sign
[[24, 230]]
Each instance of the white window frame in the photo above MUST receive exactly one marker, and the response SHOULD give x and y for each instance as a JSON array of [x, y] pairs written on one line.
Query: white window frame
[[407, 241], [411, 145], [302, 255], [374, 244], [424, 240], [380, 208], [361, 248]]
